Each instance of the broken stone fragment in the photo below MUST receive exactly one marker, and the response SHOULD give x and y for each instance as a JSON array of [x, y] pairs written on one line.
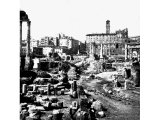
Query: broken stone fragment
[[101, 114], [47, 104], [62, 92], [31, 108], [24, 114], [34, 87], [56, 111], [41, 91], [74, 95], [50, 117], [81, 115], [54, 105], [24, 88], [34, 116], [97, 105], [45, 98], [53, 99], [23, 104], [59, 104], [40, 108]]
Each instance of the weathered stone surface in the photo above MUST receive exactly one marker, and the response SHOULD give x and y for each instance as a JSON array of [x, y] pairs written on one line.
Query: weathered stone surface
[[53, 99], [97, 105], [59, 104], [100, 114], [24, 113]]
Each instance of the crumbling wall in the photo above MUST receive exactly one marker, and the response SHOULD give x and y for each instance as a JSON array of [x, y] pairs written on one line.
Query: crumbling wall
[[135, 73]]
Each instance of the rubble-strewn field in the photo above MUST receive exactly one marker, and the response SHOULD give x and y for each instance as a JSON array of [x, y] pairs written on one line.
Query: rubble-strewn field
[[122, 106], [87, 91]]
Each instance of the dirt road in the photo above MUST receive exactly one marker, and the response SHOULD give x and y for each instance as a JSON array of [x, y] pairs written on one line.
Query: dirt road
[[116, 110]]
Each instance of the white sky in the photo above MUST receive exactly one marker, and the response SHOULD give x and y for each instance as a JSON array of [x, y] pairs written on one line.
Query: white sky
[[80, 17]]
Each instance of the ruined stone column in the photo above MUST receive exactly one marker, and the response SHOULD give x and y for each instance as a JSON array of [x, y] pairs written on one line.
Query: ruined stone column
[[20, 36], [125, 52], [48, 90], [138, 55], [125, 85], [109, 49], [91, 51], [101, 51], [34, 88], [24, 88], [74, 85], [28, 36], [130, 53], [27, 59]]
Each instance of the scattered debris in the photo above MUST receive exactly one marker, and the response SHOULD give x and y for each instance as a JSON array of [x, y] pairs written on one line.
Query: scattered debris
[[61, 89]]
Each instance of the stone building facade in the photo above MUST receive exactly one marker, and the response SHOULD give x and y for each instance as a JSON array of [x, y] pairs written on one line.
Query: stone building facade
[[133, 48], [69, 45], [107, 44]]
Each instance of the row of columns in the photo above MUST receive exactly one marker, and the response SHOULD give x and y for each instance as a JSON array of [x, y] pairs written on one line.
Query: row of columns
[[92, 50], [128, 51]]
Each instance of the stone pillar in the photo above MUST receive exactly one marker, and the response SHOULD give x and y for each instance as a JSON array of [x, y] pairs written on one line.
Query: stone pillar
[[92, 48], [34, 88], [91, 51], [130, 53], [28, 37], [74, 85], [101, 51], [125, 52], [27, 59], [24, 88], [48, 90], [138, 53], [20, 36], [125, 85], [109, 49]]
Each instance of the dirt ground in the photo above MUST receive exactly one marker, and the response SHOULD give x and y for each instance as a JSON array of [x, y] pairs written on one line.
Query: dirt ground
[[117, 109]]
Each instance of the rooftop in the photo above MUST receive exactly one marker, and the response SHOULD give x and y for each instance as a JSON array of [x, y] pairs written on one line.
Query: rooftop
[[98, 34]]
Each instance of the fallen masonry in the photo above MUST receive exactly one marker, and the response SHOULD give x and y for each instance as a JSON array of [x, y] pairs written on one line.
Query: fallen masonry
[[68, 91]]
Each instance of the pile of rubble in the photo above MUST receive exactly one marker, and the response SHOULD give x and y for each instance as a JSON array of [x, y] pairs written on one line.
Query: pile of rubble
[[82, 107], [42, 94]]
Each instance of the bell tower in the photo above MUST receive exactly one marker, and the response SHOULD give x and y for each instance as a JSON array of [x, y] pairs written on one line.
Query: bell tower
[[107, 26]]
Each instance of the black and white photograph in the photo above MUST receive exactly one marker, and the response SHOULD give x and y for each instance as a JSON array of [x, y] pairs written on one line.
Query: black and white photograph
[[79, 60]]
